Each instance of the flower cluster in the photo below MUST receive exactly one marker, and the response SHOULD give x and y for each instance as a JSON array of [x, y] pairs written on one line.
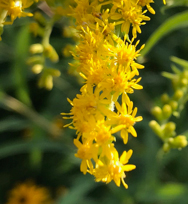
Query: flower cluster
[[173, 105], [29, 193], [13, 9], [107, 64]]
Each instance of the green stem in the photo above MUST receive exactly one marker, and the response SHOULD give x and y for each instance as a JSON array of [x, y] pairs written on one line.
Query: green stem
[[17, 106]]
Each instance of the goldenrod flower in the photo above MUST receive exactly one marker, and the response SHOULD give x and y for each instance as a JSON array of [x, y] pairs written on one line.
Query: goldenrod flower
[[86, 152], [15, 8], [90, 104], [129, 13], [28, 193], [108, 170], [124, 119], [147, 4], [108, 66]]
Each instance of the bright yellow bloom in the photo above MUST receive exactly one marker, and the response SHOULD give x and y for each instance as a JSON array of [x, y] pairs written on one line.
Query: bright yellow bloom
[[125, 54], [85, 12], [147, 4], [129, 13], [114, 169], [90, 105], [118, 81], [15, 8], [86, 152], [28, 193], [124, 119]]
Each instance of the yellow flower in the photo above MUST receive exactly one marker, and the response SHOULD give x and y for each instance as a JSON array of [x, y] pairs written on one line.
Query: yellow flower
[[113, 169], [118, 80], [83, 13], [124, 119], [124, 54], [147, 4], [86, 152], [15, 8], [129, 13], [28, 193], [88, 106]]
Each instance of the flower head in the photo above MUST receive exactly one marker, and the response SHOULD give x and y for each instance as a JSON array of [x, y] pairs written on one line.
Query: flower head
[[125, 119], [114, 169], [28, 193], [15, 8]]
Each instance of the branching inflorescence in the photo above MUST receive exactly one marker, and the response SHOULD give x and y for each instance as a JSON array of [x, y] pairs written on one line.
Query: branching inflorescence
[[108, 65]]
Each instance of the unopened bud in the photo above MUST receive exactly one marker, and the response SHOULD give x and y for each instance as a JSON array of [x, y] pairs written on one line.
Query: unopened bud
[[166, 147], [178, 94], [50, 52], [37, 68], [34, 60], [36, 48], [46, 81], [179, 142], [53, 72], [173, 104], [40, 18], [169, 130], [157, 112], [183, 82], [167, 111], [36, 29], [185, 74], [165, 98], [156, 128]]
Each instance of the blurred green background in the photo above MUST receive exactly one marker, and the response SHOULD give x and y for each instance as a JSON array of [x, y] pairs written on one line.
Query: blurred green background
[[33, 144]]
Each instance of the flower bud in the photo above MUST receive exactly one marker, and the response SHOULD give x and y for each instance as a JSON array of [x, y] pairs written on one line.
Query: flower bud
[[183, 82], [46, 81], [156, 127], [179, 142], [36, 48], [167, 111], [166, 147], [165, 98], [178, 94], [36, 29], [157, 112], [53, 72], [173, 104], [169, 130], [185, 74], [35, 60], [37, 68], [39, 18], [50, 52]]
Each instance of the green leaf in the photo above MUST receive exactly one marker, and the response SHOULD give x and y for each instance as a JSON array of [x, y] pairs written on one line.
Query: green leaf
[[175, 22], [20, 147], [13, 124], [19, 67], [179, 61], [81, 186], [174, 3]]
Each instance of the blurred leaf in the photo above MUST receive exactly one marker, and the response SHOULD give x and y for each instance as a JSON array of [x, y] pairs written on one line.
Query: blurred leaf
[[13, 124], [174, 3], [21, 146], [175, 22], [171, 190], [19, 73], [81, 186], [179, 61]]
